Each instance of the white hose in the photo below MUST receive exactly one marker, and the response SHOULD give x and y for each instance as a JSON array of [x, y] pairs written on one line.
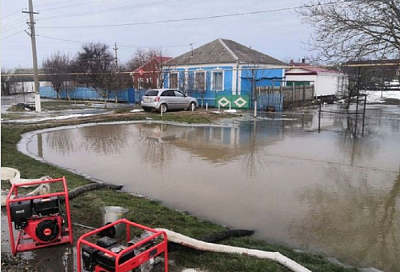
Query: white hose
[[42, 189], [204, 246]]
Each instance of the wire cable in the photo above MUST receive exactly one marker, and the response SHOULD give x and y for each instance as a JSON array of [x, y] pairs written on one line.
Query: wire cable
[[76, 5], [119, 45], [151, 4], [18, 20], [12, 35], [56, 3], [182, 20], [13, 28], [5, 17]]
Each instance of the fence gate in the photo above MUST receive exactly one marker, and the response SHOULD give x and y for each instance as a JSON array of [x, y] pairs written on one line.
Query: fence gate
[[271, 101], [233, 101]]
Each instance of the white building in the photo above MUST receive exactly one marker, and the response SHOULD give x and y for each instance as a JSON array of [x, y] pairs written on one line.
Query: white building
[[326, 82]]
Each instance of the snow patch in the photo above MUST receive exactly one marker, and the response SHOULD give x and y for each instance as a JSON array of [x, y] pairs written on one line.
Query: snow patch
[[62, 117], [379, 97]]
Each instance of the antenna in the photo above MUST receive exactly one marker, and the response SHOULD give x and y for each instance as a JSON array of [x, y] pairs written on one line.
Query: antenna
[[116, 57], [191, 45]]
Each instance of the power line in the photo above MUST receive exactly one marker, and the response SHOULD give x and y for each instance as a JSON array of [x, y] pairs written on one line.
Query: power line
[[5, 17], [12, 35], [14, 27], [155, 46], [58, 39], [134, 46], [76, 5], [56, 3], [110, 9], [19, 20], [184, 19]]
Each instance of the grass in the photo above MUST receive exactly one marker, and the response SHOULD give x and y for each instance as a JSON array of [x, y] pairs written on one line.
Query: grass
[[15, 116], [86, 208], [58, 105]]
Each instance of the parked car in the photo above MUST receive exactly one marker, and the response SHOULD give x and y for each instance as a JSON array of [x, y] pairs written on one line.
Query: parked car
[[167, 99]]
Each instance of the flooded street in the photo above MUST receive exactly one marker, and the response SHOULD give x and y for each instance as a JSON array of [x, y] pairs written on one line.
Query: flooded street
[[323, 192]]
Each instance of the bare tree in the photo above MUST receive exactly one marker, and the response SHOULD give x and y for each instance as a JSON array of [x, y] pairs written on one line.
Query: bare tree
[[155, 61], [57, 68], [349, 30], [142, 56], [96, 62], [200, 84], [120, 81]]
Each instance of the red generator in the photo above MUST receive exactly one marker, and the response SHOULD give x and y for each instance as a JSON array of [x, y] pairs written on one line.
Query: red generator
[[40, 220], [106, 254]]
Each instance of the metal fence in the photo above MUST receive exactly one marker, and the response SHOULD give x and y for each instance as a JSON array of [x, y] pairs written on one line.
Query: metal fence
[[286, 97], [82, 93]]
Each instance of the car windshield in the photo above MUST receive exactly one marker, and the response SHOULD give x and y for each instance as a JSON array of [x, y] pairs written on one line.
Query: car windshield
[[151, 93]]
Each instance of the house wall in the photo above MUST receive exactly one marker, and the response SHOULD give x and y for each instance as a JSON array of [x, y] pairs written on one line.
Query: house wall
[[303, 78], [150, 76], [328, 84], [236, 82], [26, 86], [324, 83], [263, 77], [186, 77]]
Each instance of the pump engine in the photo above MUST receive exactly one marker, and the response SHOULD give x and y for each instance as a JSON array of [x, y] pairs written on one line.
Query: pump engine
[[42, 219]]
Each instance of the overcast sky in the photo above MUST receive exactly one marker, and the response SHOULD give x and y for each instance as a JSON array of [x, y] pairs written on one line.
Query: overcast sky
[[279, 34]]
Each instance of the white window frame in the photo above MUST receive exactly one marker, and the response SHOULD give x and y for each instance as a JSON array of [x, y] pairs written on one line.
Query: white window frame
[[213, 80], [200, 71], [177, 80]]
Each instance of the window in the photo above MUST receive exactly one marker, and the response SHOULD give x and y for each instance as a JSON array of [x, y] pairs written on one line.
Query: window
[[217, 81], [168, 93], [173, 81], [151, 93], [182, 81], [200, 81], [179, 94], [191, 81]]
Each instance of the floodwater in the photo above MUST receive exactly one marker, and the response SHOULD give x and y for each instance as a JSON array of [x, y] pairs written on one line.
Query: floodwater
[[323, 192]]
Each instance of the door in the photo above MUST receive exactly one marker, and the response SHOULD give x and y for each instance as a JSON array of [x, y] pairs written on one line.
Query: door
[[182, 101], [169, 98]]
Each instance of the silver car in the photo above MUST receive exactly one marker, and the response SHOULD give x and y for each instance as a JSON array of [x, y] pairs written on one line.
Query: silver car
[[167, 99]]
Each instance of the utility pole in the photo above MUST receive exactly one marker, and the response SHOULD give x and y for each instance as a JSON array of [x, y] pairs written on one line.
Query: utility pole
[[34, 55], [116, 57], [253, 88]]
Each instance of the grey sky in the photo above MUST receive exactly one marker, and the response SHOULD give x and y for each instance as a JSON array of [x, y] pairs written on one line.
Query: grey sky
[[279, 34]]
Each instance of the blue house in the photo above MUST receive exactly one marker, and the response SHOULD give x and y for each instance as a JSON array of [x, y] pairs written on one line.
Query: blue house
[[223, 72]]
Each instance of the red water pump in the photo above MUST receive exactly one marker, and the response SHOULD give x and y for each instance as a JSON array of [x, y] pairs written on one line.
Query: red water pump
[[141, 253], [40, 220]]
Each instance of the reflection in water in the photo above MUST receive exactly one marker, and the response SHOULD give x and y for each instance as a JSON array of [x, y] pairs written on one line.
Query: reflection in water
[[318, 191], [153, 146], [63, 141], [104, 140], [364, 214]]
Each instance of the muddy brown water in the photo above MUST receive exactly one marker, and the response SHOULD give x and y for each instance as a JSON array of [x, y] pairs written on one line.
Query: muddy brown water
[[322, 192]]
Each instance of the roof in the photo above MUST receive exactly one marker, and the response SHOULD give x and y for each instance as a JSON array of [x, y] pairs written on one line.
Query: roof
[[223, 51], [310, 71], [157, 59], [18, 74]]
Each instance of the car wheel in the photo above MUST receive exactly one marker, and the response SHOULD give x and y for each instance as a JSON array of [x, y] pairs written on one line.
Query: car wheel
[[163, 108], [192, 105]]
